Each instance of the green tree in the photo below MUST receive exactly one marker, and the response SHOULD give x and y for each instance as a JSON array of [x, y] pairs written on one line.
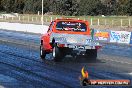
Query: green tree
[[33, 6], [129, 9], [18, 6], [89, 7], [69, 7], [7, 5], [122, 7], [1, 6], [12, 5], [28, 8]]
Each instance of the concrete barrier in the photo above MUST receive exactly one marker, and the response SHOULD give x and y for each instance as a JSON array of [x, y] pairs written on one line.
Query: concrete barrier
[[24, 27]]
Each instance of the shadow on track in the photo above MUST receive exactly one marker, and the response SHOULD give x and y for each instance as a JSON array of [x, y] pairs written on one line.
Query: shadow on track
[[70, 59]]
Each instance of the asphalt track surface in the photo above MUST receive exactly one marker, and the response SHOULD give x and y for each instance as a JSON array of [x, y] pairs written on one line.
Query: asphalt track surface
[[21, 66]]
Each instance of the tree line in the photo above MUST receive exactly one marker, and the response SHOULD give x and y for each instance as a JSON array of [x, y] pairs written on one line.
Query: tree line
[[69, 7]]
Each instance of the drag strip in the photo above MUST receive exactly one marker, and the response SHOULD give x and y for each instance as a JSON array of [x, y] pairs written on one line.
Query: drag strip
[[21, 66]]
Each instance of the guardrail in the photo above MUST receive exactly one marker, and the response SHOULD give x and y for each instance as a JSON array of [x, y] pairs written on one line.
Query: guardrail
[[32, 28], [108, 36]]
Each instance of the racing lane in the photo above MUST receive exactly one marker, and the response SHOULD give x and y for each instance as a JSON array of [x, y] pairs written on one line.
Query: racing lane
[[20, 65]]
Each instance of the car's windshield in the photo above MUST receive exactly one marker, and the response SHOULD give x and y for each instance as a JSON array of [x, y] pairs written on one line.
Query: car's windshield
[[71, 26]]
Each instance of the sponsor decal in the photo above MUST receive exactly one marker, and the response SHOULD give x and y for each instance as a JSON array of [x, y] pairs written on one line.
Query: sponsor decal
[[101, 35], [120, 37], [86, 81], [59, 39]]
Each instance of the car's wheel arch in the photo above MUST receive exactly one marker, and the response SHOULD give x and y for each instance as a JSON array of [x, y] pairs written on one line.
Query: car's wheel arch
[[41, 43]]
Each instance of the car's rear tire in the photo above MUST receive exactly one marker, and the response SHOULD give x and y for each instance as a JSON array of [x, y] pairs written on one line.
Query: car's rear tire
[[42, 52], [57, 54], [91, 54]]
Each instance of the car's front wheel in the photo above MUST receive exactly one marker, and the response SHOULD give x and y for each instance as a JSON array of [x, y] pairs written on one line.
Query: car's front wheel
[[42, 52]]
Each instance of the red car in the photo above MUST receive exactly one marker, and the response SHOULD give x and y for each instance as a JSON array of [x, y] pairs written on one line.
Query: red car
[[68, 36]]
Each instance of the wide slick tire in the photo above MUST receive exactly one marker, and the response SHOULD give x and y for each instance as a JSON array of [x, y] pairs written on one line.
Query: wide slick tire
[[57, 54], [42, 52], [91, 54]]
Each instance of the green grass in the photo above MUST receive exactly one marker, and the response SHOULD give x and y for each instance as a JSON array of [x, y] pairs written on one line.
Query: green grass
[[108, 20]]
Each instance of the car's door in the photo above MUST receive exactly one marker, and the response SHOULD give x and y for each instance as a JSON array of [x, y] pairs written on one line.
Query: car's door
[[46, 38]]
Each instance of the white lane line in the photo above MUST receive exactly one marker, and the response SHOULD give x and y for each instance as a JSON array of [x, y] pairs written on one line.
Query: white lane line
[[130, 73], [118, 61]]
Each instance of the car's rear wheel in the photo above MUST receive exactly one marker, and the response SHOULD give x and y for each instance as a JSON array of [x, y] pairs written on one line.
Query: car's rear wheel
[[91, 54], [42, 52], [57, 54]]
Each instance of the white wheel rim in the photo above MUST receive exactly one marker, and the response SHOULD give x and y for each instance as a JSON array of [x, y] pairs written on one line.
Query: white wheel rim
[[54, 52], [41, 52]]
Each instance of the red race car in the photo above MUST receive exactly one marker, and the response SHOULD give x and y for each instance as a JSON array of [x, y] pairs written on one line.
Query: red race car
[[68, 37]]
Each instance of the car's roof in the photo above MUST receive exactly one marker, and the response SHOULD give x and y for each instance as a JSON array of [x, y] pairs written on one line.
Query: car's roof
[[69, 19]]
